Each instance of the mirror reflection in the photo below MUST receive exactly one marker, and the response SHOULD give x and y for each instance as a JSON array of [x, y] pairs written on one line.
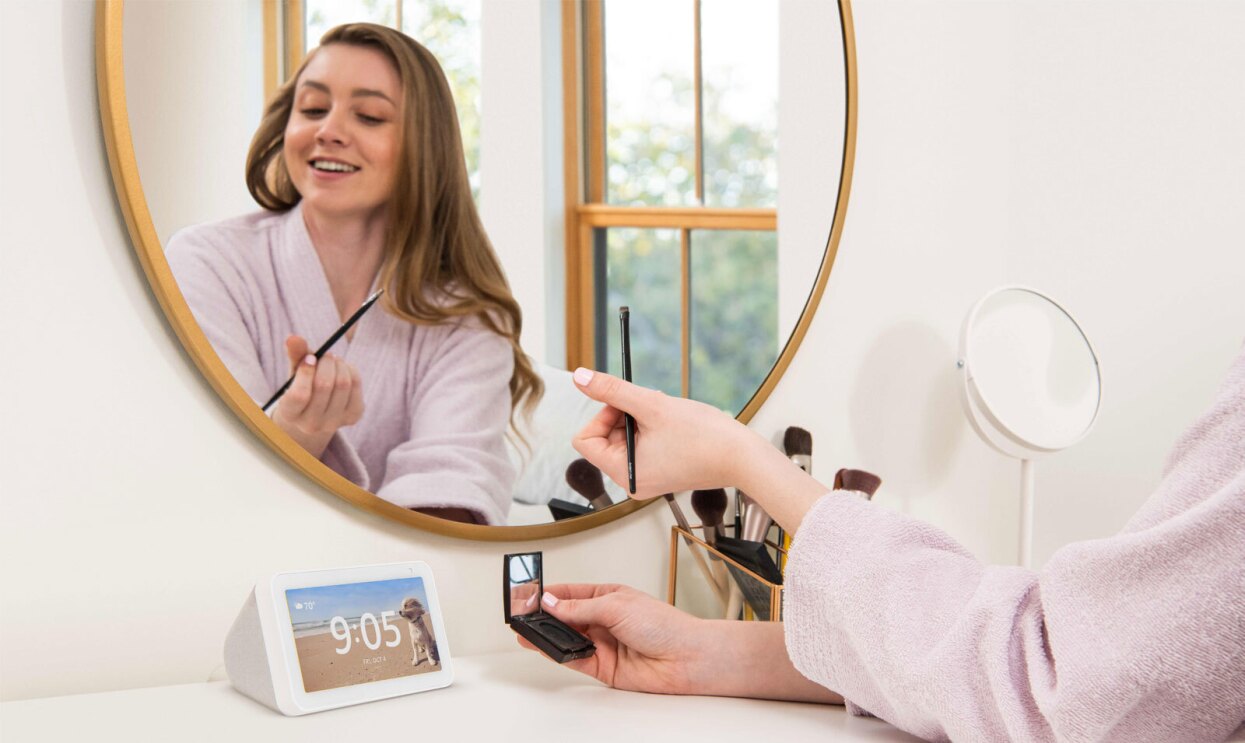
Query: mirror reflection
[[374, 167], [525, 584]]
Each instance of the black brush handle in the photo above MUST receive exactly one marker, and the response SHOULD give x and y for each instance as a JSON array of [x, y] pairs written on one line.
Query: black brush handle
[[324, 348], [624, 321]]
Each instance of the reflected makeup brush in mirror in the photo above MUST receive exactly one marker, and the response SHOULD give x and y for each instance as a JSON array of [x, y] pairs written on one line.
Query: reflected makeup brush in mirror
[[324, 348], [585, 479]]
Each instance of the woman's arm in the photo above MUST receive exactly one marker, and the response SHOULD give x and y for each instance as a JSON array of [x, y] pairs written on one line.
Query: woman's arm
[[647, 645], [1137, 637], [454, 462]]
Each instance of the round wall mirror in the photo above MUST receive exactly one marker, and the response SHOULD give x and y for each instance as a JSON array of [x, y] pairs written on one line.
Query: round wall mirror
[[689, 159], [1032, 384]]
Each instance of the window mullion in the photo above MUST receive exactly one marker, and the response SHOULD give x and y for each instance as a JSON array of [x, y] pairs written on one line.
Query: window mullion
[[685, 305]]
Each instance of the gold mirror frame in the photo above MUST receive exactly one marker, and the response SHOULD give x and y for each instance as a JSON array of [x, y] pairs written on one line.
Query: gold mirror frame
[[114, 116]]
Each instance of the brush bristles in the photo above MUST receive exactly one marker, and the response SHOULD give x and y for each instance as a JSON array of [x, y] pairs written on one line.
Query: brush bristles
[[797, 441], [585, 479], [710, 508]]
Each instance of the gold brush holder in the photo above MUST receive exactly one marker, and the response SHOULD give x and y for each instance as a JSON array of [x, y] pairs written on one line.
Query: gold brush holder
[[753, 584]]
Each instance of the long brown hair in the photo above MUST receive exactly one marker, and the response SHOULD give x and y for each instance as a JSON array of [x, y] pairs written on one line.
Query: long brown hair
[[434, 235]]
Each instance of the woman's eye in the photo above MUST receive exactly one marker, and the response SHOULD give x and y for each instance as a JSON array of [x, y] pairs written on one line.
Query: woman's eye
[[312, 112], [370, 119]]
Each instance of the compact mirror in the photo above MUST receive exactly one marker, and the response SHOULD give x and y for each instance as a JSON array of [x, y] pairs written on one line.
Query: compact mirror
[[522, 588], [1031, 381], [524, 584], [684, 207]]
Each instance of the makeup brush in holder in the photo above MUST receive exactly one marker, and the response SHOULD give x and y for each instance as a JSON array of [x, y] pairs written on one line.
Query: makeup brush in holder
[[865, 483], [681, 520], [710, 508], [797, 444]]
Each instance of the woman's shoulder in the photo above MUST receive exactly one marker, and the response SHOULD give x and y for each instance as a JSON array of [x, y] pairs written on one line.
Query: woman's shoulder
[[232, 238]]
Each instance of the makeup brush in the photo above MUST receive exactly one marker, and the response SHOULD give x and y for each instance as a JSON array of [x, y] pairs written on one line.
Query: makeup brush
[[865, 483], [681, 520], [756, 520], [710, 507], [585, 479], [798, 444]]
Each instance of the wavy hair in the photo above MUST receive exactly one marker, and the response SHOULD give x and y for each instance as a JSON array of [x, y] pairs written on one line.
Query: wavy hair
[[434, 235]]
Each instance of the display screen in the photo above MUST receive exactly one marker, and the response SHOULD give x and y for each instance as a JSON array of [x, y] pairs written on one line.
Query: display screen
[[357, 633]]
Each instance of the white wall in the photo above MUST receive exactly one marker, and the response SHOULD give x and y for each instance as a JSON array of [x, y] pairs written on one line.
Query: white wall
[[1092, 149]]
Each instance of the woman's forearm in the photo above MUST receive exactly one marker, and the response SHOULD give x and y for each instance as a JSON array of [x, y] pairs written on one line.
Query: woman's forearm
[[784, 490], [749, 659]]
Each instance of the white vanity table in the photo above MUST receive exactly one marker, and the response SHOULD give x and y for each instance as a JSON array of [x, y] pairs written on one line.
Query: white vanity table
[[505, 696]]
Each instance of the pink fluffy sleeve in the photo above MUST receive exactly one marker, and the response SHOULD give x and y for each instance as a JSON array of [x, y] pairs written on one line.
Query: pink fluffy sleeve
[[1136, 637], [233, 305], [455, 455]]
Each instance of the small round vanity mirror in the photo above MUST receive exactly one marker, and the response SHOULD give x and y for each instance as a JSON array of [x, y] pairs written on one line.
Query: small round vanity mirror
[[1031, 382]]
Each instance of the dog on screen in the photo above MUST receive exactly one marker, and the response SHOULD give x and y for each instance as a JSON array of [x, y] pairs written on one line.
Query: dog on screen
[[422, 641]]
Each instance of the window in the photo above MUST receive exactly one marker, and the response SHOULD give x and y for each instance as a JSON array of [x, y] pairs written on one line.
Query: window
[[678, 183]]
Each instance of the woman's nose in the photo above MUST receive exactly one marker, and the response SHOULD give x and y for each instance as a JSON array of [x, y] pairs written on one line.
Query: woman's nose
[[332, 130]]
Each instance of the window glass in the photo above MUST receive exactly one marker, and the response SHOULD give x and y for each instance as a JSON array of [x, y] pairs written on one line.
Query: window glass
[[642, 272], [739, 73], [650, 138], [734, 292]]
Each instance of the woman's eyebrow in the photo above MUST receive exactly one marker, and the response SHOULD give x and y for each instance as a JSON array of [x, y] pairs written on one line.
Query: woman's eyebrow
[[356, 93]]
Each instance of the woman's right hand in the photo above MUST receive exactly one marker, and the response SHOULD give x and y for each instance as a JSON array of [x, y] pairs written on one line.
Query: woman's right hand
[[680, 444], [687, 445], [326, 395]]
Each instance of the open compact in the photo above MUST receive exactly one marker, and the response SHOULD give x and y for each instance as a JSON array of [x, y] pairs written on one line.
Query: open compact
[[523, 584]]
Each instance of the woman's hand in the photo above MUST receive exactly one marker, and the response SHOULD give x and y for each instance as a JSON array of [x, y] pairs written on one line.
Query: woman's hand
[[642, 644], [680, 444], [326, 395], [647, 645], [687, 445]]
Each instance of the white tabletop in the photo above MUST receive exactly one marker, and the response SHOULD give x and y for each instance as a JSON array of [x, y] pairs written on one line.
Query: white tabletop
[[508, 696]]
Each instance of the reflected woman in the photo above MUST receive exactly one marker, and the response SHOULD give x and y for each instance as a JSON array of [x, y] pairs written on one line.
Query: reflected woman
[[358, 164]]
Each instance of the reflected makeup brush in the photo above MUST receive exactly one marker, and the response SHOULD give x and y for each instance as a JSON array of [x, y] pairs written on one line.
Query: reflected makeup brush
[[585, 479], [335, 337]]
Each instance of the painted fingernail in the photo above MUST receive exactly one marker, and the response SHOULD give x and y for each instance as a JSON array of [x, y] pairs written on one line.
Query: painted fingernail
[[549, 600], [583, 376], [310, 359]]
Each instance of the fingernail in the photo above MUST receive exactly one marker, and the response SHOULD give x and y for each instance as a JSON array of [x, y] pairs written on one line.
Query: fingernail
[[310, 359], [583, 376], [549, 599]]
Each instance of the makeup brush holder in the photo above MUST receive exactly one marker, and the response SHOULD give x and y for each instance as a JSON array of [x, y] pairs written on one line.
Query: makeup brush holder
[[751, 566]]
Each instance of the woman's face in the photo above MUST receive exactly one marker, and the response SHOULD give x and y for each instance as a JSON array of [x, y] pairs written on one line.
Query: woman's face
[[342, 139]]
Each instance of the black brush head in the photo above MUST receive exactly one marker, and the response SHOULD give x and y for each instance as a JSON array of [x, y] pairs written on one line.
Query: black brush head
[[585, 479], [797, 441], [710, 506]]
